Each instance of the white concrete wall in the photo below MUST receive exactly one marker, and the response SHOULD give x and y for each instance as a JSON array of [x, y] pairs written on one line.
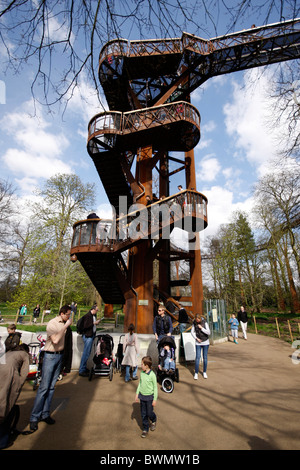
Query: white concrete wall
[[147, 343]]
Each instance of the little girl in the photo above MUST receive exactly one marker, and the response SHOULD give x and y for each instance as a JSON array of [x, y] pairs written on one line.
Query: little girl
[[234, 325], [147, 394]]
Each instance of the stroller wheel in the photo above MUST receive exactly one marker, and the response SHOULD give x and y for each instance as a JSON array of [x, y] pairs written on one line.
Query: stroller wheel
[[111, 371], [91, 375], [176, 375], [167, 385]]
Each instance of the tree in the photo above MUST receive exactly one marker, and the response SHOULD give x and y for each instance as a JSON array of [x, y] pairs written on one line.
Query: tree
[[64, 199]]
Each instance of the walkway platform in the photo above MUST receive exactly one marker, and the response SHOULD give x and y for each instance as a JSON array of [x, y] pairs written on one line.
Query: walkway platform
[[250, 401]]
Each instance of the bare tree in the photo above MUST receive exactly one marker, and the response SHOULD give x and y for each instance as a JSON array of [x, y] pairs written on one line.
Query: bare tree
[[61, 40]]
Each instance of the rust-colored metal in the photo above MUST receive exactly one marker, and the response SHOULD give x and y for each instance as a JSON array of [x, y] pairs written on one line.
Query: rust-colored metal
[[150, 116]]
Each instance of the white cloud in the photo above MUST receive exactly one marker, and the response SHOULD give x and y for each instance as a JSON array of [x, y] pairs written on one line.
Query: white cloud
[[208, 168], [37, 149], [220, 208], [246, 120]]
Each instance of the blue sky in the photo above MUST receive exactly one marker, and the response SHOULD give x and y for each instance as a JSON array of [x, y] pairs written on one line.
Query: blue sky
[[235, 149]]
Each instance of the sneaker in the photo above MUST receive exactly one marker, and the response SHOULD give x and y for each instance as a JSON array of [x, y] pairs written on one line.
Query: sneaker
[[153, 426], [204, 375], [196, 376], [144, 433]]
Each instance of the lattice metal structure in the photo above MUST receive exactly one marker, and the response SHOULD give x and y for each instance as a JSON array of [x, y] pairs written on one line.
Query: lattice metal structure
[[148, 85]]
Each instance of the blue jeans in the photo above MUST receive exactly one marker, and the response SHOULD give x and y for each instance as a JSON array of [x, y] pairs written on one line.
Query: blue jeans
[[127, 372], [168, 364], [88, 342], [204, 350], [50, 372]]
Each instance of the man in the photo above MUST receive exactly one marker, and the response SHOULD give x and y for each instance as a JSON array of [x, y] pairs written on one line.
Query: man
[[89, 331], [182, 319], [162, 325], [54, 349], [243, 319]]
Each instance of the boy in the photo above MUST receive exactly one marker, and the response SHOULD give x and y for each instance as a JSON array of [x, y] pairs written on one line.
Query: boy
[[234, 325], [147, 394]]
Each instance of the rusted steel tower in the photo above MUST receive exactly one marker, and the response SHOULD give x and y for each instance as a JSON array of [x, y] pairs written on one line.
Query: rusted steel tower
[[148, 85]]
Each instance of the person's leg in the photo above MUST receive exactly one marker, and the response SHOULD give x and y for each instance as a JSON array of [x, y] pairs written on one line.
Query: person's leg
[[86, 353], [197, 361], [134, 372], [204, 352], [50, 372], [127, 373], [150, 412], [145, 421]]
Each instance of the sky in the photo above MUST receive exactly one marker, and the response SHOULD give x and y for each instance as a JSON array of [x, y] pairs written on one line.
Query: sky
[[235, 149]]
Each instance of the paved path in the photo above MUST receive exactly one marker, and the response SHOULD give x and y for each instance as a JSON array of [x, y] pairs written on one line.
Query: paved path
[[249, 401]]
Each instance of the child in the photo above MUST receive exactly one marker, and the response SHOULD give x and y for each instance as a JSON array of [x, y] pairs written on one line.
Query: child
[[147, 394], [234, 325], [167, 358], [13, 341]]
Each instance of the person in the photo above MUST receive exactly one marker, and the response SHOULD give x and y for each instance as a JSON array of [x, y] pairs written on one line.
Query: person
[[200, 332], [53, 355], [147, 394], [181, 197], [167, 357], [23, 312], [74, 309], [13, 340], [14, 372], [68, 354], [36, 313], [182, 318], [162, 325], [130, 351], [148, 200], [89, 332], [234, 326], [243, 319]]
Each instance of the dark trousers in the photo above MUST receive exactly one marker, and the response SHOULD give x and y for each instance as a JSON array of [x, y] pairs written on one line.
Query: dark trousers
[[147, 413]]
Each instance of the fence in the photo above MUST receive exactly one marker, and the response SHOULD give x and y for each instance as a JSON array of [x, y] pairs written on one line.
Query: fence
[[282, 328]]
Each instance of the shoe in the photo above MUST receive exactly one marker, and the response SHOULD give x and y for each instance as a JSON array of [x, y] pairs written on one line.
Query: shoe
[[33, 425], [153, 426], [196, 376], [84, 374], [49, 420], [204, 375], [135, 378], [129, 380], [144, 433]]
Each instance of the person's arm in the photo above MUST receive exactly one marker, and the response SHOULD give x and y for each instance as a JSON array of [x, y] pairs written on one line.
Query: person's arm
[[56, 337], [206, 329], [170, 327]]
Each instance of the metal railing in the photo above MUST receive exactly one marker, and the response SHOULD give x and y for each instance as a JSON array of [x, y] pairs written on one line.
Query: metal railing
[[142, 222], [111, 123]]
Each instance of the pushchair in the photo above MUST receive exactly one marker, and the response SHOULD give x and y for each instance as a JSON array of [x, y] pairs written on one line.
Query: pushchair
[[166, 377], [119, 355], [103, 357], [36, 351]]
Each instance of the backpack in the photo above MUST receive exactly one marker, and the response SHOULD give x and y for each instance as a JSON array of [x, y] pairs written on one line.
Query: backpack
[[80, 325]]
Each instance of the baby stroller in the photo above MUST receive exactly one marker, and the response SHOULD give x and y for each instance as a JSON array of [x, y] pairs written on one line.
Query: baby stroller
[[119, 355], [103, 357], [36, 351], [167, 376]]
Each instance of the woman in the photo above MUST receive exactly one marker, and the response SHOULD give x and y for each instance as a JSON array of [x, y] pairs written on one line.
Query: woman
[[200, 332], [131, 351]]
